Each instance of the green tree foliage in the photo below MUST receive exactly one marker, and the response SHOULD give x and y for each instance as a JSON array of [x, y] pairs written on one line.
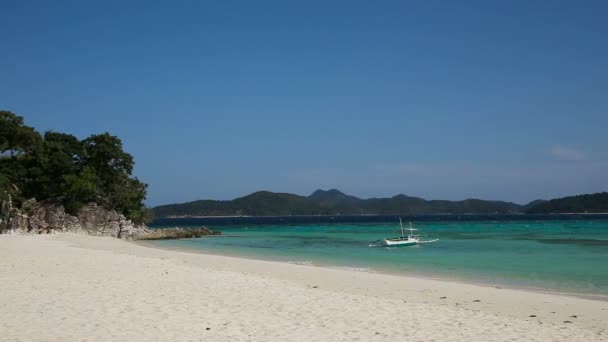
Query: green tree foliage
[[80, 188], [20, 147], [15, 137], [61, 159], [103, 152], [59, 166]]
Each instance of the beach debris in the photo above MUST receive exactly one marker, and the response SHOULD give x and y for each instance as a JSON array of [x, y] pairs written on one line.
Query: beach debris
[[443, 297], [567, 321], [532, 316], [377, 333], [476, 301], [207, 328], [574, 316]]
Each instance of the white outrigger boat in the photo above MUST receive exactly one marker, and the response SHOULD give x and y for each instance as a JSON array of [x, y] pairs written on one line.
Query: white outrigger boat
[[404, 240]]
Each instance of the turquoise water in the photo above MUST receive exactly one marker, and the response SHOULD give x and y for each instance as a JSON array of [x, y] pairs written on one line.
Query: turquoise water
[[569, 256]]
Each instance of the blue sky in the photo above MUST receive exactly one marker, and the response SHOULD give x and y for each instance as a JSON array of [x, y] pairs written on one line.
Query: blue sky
[[217, 99]]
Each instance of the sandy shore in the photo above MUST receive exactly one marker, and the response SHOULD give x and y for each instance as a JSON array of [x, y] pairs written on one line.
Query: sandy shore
[[72, 287]]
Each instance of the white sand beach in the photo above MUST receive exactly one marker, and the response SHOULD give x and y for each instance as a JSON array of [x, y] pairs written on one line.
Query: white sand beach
[[70, 287]]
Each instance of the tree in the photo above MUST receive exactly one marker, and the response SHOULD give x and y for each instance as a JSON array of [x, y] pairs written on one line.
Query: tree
[[15, 137], [112, 167], [61, 158], [20, 147], [79, 189], [103, 152], [127, 195]]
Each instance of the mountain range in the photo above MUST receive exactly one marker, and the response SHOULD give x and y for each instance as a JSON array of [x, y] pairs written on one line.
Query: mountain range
[[335, 202]]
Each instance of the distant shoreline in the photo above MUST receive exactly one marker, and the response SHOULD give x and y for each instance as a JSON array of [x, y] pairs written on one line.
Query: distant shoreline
[[374, 215]]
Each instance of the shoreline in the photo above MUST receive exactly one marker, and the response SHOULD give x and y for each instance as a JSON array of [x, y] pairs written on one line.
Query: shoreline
[[73, 287], [429, 276]]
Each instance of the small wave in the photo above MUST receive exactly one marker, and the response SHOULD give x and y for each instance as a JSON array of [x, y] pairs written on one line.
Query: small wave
[[300, 262]]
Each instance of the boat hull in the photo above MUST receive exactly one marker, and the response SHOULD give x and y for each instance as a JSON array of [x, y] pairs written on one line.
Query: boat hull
[[400, 243]]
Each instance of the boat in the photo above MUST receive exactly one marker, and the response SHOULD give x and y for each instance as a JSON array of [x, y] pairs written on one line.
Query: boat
[[404, 240]]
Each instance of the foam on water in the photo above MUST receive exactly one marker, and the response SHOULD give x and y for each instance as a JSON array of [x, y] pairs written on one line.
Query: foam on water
[[355, 269]]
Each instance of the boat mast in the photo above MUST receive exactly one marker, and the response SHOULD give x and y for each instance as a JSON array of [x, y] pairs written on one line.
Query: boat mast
[[401, 224]]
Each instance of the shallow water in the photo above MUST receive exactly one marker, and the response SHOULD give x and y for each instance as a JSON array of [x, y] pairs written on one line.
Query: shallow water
[[558, 255]]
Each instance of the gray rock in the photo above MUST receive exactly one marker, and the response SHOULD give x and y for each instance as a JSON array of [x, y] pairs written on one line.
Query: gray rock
[[49, 216], [175, 233]]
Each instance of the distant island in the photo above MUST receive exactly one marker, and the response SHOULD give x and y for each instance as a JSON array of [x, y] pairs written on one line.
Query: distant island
[[335, 202], [590, 203]]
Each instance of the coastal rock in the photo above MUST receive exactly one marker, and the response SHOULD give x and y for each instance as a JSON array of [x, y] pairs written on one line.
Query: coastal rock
[[97, 220], [50, 217], [6, 209], [175, 233]]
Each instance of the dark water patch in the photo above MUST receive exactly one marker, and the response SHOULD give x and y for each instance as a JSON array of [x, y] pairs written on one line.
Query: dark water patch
[[260, 246], [312, 238], [524, 237], [578, 242], [364, 231], [318, 241], [467, 236]]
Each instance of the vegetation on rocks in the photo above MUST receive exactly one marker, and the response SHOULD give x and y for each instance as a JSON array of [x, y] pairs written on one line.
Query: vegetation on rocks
[[61, 167]]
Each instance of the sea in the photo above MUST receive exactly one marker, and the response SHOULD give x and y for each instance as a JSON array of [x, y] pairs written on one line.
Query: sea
[[555, 253]]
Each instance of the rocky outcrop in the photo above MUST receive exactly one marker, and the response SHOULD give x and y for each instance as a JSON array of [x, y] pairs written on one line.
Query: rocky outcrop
[[175, 233], [6, 209], [50, 217]]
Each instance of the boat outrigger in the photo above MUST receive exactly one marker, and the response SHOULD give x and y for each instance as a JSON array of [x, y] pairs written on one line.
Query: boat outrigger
[[403, 240]]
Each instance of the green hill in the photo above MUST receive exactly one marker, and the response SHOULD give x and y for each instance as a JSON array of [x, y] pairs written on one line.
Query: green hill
[[265, 203], [331, 202], [591, 203]]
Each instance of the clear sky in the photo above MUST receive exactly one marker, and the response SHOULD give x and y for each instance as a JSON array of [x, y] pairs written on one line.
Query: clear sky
[[217, 99]]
